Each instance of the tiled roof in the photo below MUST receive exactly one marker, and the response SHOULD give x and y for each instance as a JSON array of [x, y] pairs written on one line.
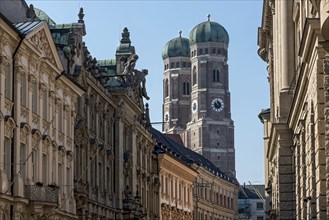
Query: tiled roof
[[166, 144], [26, 27]]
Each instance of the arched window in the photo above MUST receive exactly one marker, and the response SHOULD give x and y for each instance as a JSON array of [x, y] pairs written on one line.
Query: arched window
[[172, 65], [215, 75], [192, 54], [194, 75], [166, 88], [186, 88]]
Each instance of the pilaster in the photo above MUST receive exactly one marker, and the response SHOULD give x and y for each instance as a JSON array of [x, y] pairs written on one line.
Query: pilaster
[[326, 117]]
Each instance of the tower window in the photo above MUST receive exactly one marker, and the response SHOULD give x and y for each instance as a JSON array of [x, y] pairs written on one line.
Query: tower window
[[166, 89], [194, 75], [172, 65], [215, 75], [186, 88], [192, 54]]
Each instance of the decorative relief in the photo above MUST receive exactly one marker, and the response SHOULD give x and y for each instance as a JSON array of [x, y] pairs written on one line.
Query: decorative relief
[[61, 137], [40, 42], [35, 139], [8, 104], [9, 127], [35, 118]]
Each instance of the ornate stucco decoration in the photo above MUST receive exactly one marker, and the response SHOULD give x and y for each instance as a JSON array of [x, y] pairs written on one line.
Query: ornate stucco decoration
[[40, 42]]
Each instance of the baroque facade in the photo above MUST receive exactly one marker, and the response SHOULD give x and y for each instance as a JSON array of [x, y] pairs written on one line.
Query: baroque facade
[[196, 96], [81, 127], [293, 40], [37, 117], [191, 186]]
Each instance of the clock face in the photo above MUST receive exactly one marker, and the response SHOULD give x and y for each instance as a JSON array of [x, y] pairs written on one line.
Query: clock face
[[166, 117], [194, 106], [217, 104]]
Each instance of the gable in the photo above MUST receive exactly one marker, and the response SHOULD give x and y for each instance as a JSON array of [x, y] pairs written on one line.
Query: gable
[[40, 40]]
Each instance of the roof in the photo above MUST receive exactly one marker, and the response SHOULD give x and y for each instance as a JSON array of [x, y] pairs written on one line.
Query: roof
[[209, 31], [166, 144], [28, 26], [42, 16], [176, 137], [177, 47], [247, 194]]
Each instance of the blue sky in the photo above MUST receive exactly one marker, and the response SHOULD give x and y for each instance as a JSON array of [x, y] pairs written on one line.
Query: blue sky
[[153, 23]]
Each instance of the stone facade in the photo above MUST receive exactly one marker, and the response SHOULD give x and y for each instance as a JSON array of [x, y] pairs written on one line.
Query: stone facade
[[196, 97], [191, 186], [293, 41], [75, 133], [37, 102]]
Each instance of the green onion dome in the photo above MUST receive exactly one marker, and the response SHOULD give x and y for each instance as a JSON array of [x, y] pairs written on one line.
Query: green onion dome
[[177, 47], [209, 32]]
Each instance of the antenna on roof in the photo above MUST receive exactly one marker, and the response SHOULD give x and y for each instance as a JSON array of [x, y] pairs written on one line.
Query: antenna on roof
[[208, 17]]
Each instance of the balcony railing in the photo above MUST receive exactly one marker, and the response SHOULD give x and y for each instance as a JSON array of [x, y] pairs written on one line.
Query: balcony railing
[[48, 194]]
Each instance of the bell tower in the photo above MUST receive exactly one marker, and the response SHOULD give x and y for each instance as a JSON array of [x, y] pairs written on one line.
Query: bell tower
[[196, 96], [176, 85]]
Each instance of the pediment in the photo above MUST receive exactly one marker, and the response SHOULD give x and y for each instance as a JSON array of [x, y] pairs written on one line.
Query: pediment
[[41, 41]]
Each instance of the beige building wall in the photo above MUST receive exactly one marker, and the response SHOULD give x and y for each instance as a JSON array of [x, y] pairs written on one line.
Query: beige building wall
[[215, 196], [292, 42], [36, 128], [176, 191]]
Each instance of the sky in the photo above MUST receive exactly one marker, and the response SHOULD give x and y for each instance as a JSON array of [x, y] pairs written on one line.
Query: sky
[[153, 23]]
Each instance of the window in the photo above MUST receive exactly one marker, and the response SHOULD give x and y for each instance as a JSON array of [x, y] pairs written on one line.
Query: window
[[22, 158], [186, 88], [192, 54], [108, 187], [172, 65], [101, 175], [213, 51], [184, 64], [60, 119], [194, 75], [34, 165], [166, 88], [260, 218], [23, 90], [260, 205], [69, 182], [7, 158], [8, 82], [44, 105], [60, 175], [44, 168], [200, 51], [68, 124], [206, 51], [215, 75], [177, 65], [34, 97]]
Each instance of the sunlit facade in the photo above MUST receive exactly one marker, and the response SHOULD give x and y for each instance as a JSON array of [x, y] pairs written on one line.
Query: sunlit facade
[[293, 40]]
